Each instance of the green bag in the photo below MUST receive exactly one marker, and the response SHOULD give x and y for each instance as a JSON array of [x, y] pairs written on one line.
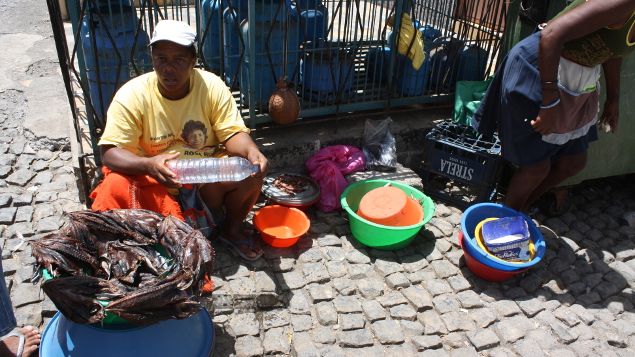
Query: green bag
[[468, 98]]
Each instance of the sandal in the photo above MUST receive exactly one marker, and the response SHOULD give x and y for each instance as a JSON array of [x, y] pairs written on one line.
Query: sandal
[[249, 241], [16, 332], [21, 340]]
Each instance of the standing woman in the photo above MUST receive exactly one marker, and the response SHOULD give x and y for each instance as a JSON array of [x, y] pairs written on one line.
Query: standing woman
[[544, 100]]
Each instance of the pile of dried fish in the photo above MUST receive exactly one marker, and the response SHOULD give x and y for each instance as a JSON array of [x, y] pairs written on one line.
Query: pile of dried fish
[[290, 184], [112, 258]]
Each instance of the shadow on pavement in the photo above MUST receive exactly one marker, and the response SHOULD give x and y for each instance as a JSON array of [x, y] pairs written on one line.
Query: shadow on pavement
[[589, 258]]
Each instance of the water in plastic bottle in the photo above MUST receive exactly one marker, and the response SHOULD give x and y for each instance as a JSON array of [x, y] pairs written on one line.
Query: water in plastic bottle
[[212, 169]]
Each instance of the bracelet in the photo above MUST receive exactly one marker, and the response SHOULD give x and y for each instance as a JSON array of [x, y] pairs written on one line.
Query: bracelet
[[551, 105]]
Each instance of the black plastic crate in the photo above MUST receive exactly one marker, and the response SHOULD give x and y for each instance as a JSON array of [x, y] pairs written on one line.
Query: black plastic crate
[[458, 154]]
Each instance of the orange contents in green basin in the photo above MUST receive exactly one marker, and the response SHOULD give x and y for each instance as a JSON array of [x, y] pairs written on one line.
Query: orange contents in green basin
[[383, 205], [390, 206]]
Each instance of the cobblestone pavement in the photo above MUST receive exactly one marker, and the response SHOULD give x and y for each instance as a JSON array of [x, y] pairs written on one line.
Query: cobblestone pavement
[[329, 296]]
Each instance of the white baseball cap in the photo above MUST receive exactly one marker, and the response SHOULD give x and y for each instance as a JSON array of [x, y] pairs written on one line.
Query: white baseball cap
[[174, 31]]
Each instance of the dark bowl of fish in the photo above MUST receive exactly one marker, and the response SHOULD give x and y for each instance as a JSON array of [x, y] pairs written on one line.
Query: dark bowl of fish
[[291, 190]]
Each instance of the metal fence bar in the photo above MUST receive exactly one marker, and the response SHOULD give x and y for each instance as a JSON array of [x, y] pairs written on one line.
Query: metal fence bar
[[339, 60]]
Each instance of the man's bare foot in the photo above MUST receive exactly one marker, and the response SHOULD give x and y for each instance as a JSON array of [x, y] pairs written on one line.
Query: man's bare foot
[[10, 345]]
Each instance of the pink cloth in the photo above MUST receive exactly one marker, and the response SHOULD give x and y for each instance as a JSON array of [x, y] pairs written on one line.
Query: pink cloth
[[328, 167]]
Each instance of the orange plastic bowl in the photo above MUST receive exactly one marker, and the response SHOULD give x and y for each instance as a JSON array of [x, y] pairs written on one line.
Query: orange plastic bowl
[[390, 206], [281, 226], [483, 271]]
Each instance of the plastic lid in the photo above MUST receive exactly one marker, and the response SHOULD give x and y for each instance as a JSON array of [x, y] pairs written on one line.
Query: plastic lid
[[290, 189], [383, 205]]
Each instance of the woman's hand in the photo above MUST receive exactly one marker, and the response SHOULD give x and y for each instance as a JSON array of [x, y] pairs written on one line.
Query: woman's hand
[[610, 115], [546, 121], [157, 168], [257, 158]]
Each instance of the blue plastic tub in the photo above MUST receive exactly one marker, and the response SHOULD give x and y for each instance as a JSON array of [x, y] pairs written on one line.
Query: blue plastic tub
[[191, 337], [480, 211]]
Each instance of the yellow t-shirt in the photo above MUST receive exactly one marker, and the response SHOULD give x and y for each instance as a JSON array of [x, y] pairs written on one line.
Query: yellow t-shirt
[[145, 123]]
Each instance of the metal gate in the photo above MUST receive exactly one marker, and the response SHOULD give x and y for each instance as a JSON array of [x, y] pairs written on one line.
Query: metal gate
[[341, 56]]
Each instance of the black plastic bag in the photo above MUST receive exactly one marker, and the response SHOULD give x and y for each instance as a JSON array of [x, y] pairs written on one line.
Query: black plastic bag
[[379, 145]]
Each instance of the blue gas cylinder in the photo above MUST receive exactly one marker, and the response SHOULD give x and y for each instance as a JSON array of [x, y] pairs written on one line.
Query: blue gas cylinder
[[210, 33], [112, 49], [270, 61], [375, 66], [429, 33], [472, 63], [313, 24], [444, 60], [408, 81], [233, 45], [308, 4], [234, 13], [327, 72], [191, 337]]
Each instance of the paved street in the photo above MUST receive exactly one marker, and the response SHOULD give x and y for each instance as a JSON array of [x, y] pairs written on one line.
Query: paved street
[[330, 296]]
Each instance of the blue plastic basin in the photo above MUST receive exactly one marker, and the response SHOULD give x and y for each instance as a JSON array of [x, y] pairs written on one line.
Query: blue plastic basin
[[480, 211], [191, 337]]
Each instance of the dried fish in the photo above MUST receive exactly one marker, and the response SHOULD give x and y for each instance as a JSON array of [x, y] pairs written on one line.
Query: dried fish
[[104, 223], [290, 184], [110, 258], [76, 296]]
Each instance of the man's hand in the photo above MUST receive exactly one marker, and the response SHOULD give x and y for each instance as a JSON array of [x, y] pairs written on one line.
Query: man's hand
[[610, 115], [157, 168], [545, 122], [241, 144]]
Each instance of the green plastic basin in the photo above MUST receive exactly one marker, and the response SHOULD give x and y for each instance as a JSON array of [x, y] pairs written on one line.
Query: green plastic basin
[[376, 235]]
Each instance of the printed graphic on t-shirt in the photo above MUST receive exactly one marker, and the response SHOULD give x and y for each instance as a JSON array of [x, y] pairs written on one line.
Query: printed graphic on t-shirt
[[162, 142], [194, 134], [195, 144]]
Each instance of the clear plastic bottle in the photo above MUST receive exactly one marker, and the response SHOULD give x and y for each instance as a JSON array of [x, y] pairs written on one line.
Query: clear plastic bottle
[[212, 169]]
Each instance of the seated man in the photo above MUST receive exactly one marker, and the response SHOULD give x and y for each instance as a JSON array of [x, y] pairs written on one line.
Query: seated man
[[177, 111]]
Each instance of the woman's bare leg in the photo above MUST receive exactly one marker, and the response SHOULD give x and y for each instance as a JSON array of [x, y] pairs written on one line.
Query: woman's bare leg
[[523, 183], [562, 168]]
